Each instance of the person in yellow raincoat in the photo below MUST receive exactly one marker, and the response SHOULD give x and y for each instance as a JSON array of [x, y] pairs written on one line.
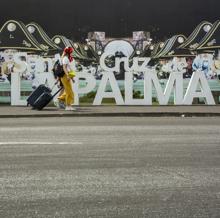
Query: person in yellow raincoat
[[67, 96]]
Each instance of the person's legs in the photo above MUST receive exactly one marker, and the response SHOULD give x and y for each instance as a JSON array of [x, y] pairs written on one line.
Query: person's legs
[[60, 101], [68, 95], [62, 96]]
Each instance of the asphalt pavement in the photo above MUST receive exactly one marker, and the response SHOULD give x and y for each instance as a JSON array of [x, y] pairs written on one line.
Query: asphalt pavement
[[7, 111], [110, 167]]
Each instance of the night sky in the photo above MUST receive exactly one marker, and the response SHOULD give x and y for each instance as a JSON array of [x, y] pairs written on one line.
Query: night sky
[[118, 18]]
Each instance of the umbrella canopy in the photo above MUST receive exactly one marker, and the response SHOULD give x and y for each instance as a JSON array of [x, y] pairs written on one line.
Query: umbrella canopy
[[14, 35], [158, 49], [197, 35], [211, 41], [61, 41], [77, 52], [43, 39], [172, 48], [80, 52], [88, 53], [91, 53]]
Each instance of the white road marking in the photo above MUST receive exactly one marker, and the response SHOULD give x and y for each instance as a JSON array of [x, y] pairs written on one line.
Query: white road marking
[[41, 143]]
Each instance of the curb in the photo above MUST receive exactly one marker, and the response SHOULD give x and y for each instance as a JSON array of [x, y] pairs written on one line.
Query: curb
[[129, 114]]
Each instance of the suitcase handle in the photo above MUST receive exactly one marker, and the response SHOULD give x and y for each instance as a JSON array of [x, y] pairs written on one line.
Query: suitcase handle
[[57, 92], [54, 85]]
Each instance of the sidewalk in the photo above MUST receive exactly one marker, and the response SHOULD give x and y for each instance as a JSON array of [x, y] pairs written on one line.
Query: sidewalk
[[7, 111]]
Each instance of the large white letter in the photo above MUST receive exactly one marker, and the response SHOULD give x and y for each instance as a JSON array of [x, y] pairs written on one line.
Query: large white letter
[[16, 90], [198, 78], [20, 67], [101, 93], [90, 85], [129, 100], [175, 82]]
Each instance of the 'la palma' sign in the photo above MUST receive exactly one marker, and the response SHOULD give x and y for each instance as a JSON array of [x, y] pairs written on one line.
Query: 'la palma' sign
[[174, 84]]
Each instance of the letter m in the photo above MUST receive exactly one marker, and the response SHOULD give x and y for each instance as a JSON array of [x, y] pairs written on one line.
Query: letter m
[[175, 83]]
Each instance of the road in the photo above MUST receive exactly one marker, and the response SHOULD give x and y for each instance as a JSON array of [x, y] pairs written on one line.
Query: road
[[110, 167]]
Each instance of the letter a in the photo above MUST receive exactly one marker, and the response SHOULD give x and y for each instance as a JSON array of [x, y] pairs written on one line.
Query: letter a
[[101, 93], [198, 78]]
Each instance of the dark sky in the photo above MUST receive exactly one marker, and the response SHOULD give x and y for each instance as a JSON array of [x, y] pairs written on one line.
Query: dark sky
[[118, 18]]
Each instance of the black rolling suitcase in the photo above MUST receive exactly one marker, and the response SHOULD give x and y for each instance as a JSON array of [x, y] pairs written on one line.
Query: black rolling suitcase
[[44, 99], [36, 93]]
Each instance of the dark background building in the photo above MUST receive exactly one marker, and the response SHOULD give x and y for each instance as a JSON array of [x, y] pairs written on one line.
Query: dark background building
[[118, 18]]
